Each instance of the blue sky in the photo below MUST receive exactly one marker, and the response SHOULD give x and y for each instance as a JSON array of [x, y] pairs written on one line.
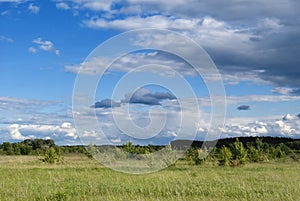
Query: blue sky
[[44, 44]]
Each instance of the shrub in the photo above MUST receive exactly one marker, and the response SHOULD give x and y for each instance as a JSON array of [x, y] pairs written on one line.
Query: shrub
[[119, 154], [52, 155], [91, 150], [129, 147], [168, 155], [197, 155]]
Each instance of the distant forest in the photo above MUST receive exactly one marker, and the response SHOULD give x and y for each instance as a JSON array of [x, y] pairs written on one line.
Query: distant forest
[[38, 146], [225, 152], [290, 142]]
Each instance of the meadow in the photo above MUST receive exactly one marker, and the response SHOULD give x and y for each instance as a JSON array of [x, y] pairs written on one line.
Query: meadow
[[82, 178]]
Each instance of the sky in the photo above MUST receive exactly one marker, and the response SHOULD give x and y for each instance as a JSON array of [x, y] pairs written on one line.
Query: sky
[[105, 72]]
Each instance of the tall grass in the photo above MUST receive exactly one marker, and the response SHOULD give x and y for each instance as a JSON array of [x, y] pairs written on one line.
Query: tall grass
[[80, 178]]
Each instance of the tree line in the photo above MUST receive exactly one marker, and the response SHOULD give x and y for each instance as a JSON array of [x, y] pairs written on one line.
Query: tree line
[[237, 153], [227, 152]]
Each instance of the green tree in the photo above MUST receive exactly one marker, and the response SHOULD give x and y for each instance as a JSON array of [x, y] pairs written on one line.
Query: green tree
[[253, 154], [91, 150], [52, 155], [256, 152], [225, 156], [239, 153], [16, 148], [278, 153], [8, 148], [197, 155], [129, 147]]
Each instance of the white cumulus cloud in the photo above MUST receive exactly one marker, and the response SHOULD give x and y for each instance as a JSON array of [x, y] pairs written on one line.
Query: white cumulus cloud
[[43, 45], [34, 9], [63, 6]]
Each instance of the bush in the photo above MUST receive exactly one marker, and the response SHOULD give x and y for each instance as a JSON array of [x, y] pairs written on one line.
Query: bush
[[52, 155], [168, 155], [91, 150], [129, 147], [197, 155]]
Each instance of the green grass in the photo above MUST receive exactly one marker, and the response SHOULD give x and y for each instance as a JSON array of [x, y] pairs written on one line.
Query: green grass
[[79, 178]]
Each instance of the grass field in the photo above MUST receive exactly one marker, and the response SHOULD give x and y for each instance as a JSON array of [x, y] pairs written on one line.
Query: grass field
[[80, 178]]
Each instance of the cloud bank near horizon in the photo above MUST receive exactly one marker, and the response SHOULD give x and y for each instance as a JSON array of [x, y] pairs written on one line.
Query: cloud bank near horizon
[[61, 129]]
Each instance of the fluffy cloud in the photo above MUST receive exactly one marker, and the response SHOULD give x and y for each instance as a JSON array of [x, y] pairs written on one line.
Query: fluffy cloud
[[271, 127], [32, 50], [103, 5], [55, 132], [15, 133], [207, 31], [63, 6], [289, 117], [33, 9], [43, 45], [62, 134]]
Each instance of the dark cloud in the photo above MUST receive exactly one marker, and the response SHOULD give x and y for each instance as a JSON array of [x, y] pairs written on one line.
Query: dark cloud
[[243, 107], [223, 9], [298, 115], [273, 30], [275, 53], [269, 31], [140, 96], [106, 103], [251, 35], [145, 96]]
